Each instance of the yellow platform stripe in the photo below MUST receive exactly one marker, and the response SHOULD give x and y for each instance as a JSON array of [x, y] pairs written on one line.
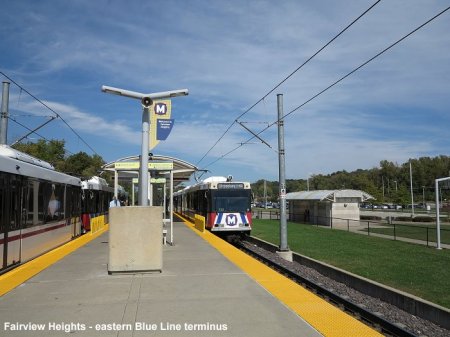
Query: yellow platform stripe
[[17, 276], [323, 316]]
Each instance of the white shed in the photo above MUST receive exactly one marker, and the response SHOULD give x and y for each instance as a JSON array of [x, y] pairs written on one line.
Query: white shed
[[320, 207]]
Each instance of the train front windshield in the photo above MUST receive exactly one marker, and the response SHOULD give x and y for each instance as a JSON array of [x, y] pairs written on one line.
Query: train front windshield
[[237, 201]]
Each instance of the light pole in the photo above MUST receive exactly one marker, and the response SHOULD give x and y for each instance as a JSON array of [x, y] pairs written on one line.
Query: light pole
[[438, 220], [423, 195], [411, 183], [146, 101]]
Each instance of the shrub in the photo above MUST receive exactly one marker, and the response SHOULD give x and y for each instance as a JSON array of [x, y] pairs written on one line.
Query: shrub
[[423, 219], [370, 217], [402, 218]]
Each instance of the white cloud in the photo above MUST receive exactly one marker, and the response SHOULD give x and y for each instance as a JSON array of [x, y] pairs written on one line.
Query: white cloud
[[231, 53], [83, 122]]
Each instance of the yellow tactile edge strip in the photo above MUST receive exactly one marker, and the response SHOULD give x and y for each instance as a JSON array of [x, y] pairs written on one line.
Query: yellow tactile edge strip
[[324, 317], [19, 275]]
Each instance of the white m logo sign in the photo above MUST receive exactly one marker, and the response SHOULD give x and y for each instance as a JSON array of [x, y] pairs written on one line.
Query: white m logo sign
[[160, 108]]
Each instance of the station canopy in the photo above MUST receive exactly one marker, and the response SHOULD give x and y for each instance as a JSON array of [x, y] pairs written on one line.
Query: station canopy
[[181, 169], [331, 195]]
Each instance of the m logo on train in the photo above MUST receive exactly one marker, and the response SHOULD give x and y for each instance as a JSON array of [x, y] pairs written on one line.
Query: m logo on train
[[231, 220]]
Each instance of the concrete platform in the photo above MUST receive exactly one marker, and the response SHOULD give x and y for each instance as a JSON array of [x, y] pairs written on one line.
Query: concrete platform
[[199, 293]]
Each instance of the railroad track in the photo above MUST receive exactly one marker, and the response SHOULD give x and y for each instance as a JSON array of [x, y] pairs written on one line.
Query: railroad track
[[373, 319]]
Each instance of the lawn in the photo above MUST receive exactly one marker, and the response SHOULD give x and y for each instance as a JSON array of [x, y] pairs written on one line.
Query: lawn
[[416, 269], [424, 232]]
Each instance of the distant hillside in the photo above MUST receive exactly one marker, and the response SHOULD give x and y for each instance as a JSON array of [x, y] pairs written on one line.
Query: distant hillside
[[388, 183]]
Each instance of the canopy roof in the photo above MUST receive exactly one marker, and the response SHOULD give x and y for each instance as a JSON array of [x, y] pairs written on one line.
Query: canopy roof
[[330, 195], [182, 170]]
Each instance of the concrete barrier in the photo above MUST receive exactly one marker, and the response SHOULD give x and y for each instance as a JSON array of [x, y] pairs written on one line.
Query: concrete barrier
[[135, 239], [407, 302], [200, 223]]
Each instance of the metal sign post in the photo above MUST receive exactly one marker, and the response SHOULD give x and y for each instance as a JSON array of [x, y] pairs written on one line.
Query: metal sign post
[[146, 101]]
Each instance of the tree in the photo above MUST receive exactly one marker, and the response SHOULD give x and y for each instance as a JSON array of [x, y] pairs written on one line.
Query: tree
[[52, 151], [389, 177], [79, 164], [82, 165]]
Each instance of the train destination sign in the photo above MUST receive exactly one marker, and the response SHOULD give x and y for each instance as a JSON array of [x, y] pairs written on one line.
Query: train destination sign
[[152, 180], [134, 165], [228, 186]]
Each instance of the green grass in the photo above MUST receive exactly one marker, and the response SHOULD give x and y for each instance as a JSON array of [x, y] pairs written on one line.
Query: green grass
[[417, 232], [418, 270]]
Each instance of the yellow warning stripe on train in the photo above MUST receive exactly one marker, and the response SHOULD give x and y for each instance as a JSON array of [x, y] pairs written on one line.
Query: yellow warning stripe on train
[[19, 275], [323, 316]]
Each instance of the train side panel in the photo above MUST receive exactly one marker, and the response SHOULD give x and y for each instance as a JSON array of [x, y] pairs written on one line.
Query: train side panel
[[39, 207]]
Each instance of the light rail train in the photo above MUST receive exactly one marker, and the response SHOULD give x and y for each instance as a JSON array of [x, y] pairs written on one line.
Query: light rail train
[[225, 204], [40, 208], [95, 197]]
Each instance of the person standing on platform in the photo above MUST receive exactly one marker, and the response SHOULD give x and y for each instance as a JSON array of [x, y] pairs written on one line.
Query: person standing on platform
[[114, 202]]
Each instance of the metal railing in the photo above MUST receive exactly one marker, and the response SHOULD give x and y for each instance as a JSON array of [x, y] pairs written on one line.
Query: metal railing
[[421, 233]]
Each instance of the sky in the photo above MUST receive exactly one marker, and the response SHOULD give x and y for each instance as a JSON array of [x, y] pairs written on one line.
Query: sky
[[229, 55]]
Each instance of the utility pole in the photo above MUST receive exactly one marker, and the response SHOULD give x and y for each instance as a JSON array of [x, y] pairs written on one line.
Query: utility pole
[[284, 252], [4, 114]]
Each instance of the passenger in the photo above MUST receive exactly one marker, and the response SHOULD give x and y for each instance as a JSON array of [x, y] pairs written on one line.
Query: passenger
[[114, 202]]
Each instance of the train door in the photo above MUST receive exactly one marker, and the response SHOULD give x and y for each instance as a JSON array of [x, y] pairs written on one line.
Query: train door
[[10, 219]]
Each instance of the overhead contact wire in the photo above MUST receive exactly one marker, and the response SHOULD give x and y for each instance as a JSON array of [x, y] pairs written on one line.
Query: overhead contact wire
[[49, 108], [332, 85], [287, 77]]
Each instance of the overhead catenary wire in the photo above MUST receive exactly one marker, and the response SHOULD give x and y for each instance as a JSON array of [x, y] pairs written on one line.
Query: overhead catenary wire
[[33, 131], [331, 85], [50, 109], [26, 127], [285, 79]]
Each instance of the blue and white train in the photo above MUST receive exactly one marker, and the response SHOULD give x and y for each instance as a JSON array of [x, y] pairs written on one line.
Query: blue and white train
[[225, 204]]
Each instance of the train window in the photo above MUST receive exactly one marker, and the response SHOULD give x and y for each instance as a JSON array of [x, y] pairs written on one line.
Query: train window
[[231, 201], [73, 196], [15, 205], [54, 201], [31, 204], [60, 196], [3, 200], [10, 202], [41, 202]]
